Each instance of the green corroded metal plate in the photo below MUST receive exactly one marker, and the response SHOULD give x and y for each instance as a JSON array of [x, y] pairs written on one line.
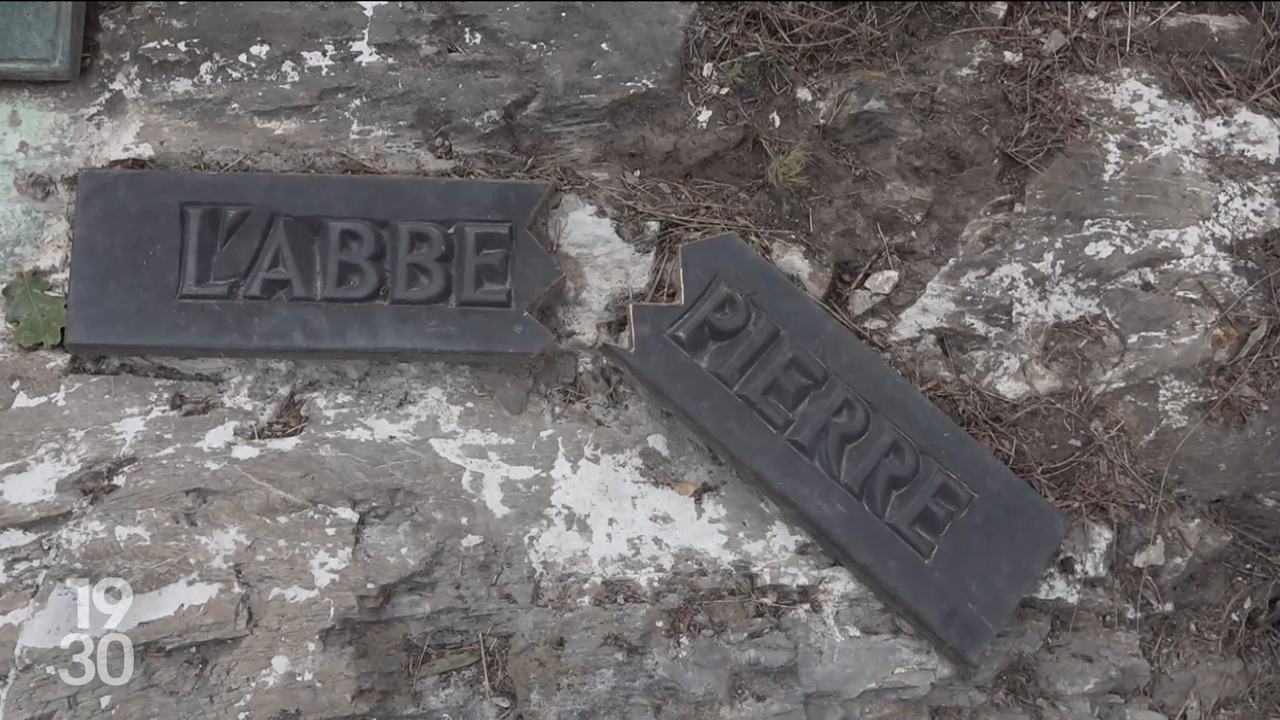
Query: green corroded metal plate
[[41, 40]]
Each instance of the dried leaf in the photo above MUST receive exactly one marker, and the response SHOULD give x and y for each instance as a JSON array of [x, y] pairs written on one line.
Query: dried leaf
[[1225, 337], [449, 663], [1255, 337]]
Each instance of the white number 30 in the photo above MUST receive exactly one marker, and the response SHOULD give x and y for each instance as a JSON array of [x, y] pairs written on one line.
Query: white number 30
[[101, 668]]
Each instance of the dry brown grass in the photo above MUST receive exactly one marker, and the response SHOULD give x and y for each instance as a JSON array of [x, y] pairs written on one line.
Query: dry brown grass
[[1244, 624], [791, 39], [1251, 337], [1071, 448], [786, 169]]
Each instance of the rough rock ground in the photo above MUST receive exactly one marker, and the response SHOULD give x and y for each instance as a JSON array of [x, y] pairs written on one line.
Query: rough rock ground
[[322, 540]]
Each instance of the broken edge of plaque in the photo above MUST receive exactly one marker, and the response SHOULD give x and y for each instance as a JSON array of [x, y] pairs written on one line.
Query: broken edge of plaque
[[1044, 531], [50, 50]]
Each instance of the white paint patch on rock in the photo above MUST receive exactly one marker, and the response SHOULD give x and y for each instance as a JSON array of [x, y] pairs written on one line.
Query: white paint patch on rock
[[367, 53], [289, 71], [124, 532], [604, 513], [1172, 126], [280, 665], [221, 543], [1034, 278], [1101, 249], [1089, 547], [78, 533], [59, 398], [185, 594], [317, 59], [435, 404], [219, 437], [659, 443], [46, 627], [38, 481], [13, 537], [475, 451], [325, 566], [293, 594], [774, 557], [493, 471], [129, 428], [1177, 397], [602, 265], [1039, 292]]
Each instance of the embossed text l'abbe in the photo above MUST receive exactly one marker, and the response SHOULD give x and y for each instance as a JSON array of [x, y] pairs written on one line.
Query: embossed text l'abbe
[[821, 417], [243, 252]]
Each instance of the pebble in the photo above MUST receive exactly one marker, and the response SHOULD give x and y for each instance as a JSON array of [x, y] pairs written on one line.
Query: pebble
[[883, 282]]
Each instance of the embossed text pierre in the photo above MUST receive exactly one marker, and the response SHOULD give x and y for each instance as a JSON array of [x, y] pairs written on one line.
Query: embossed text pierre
[[821, 417]]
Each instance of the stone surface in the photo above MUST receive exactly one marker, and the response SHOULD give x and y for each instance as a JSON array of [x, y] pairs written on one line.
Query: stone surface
[[302, 571], [1224, 36], [885, 481], [1094, 662], [1192, 574], [1203, 680], [255, 265], [1131, 713], [602, 270], [1020, 640], [638, 539], [41, 40], [1110, 277]]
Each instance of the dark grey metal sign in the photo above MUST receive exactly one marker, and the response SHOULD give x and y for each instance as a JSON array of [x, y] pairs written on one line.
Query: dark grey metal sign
[[882, 478], [321, 266]]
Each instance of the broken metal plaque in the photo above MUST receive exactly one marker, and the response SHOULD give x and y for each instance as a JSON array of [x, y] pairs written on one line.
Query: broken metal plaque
[[41, 40], [256, 264], [890, 486]]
